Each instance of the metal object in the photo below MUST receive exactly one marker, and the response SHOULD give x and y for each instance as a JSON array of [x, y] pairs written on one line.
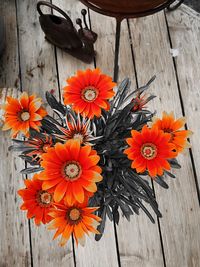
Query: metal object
[[62, 33], [175, 5], [121, 9]]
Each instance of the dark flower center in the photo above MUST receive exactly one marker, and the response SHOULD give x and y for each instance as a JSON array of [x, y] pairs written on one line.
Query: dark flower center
[[89, 94], [72, 170], [44, 198], [78, 136], [149, 151]]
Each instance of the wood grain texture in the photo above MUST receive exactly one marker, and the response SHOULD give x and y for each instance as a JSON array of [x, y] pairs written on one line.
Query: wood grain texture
[[136, 245], [178, 204], [102, 253], [14, 241], [139, 241], [184, 29], [38, 74]]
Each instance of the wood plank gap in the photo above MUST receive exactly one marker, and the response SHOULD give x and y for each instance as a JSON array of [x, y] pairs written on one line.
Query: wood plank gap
[[58, 78], [160, 232], [117, 47], [18, 44], [183, 110], [152, 184], [117, 243], [74, 252], [90, 25], [25, 163], [30, 240], [56, 62], [132, 53]]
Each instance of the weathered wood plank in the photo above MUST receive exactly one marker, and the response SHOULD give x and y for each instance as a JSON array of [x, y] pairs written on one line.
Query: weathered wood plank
[[179, 204], [94, 253], [14, 244], [38, 73], [14, 241], [136, 245], [184, 26]]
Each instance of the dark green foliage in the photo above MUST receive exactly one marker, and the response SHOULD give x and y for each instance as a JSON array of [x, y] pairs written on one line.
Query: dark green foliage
[[122, 190]]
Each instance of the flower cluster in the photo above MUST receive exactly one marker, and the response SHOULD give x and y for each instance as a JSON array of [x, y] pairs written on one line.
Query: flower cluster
[[95, 156]]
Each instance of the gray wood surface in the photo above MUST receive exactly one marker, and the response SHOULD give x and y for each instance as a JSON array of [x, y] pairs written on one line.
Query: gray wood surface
[[38, 75], [180, 213], [14, 228], [96, 254], [139, 231], [174, 241], [185, 36]]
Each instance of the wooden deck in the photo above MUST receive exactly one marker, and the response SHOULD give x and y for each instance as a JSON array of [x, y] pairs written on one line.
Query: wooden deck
[[30, 63]]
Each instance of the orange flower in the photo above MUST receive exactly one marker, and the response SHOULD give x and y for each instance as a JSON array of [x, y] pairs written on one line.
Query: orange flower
[[23, 114], [36, 200], [169, 125], [88, 92], [77, 219], [150, 150], [72, 169]]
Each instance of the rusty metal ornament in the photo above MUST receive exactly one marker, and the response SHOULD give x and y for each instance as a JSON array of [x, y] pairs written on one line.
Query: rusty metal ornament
[[61, 32]]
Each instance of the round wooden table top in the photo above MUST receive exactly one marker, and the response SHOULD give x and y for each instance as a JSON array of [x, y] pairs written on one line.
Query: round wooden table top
[[127, 8]]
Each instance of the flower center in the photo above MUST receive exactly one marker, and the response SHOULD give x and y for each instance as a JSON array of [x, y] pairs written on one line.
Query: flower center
[[89, 94], [44, 198], [149, 151], [79, 137], [72, 170], [74, 214], [25, 116]]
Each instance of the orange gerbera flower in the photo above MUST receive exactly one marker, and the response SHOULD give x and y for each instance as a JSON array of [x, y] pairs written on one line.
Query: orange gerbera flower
[[72, 169], [76, 219], [23, 114], [37, 201], [150, 150], [88, 92], [170, 125]]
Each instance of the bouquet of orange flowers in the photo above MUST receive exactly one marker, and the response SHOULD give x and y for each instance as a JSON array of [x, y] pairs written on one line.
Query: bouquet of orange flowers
[[96, 157]]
